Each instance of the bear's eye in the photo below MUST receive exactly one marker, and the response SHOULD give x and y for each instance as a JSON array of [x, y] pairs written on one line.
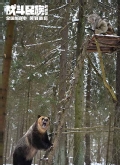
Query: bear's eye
[[42, 118]]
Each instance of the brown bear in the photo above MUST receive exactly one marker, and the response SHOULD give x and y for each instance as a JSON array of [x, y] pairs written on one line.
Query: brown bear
[[36, 138]]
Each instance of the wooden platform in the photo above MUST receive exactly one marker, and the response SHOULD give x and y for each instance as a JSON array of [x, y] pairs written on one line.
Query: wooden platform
[[108, 43]]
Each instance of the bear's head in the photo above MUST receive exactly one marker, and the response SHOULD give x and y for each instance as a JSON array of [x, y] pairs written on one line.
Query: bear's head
[[43, 123]]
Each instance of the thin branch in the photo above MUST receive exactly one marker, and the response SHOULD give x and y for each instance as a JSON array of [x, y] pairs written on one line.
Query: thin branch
[[87, 128], [86, 131]]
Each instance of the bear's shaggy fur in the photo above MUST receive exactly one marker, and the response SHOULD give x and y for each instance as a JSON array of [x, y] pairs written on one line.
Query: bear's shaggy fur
[[35, 139]]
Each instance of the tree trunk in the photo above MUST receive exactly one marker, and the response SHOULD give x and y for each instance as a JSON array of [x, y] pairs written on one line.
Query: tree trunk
[[5, 80], [79, 92], [98, 150], [6, 142], [59, 147], [61, 154], [116, 138], [87, 116]]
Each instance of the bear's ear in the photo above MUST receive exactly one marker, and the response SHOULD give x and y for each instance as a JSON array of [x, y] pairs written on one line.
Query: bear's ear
[[49, 118], [39, 116]]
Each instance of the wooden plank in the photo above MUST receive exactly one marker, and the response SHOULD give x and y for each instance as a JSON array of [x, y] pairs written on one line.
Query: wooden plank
[[107, 43]]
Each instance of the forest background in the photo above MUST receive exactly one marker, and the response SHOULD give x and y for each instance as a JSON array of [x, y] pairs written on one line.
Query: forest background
[[52, 74]]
